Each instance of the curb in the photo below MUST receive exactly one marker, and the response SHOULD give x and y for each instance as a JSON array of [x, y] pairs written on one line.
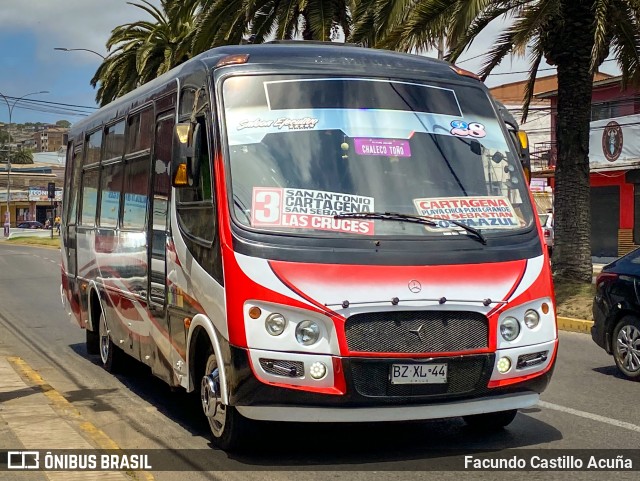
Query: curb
[[67, 412], [574, 325]]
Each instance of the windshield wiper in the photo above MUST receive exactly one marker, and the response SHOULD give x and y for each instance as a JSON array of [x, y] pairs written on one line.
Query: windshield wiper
[[416, 219]]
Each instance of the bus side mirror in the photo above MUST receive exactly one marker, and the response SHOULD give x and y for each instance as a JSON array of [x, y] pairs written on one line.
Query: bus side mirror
[[186, 153], [525, 155]]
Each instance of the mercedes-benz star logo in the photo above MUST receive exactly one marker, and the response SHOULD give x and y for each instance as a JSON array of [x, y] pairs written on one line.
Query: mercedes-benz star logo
[[417, 331], [415, 286]]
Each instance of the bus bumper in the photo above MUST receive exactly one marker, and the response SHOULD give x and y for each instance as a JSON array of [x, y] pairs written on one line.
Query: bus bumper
[[375, 399], [390, 413]]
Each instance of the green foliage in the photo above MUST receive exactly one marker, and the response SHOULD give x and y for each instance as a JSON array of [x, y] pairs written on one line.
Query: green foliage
[[179, 30], [24, 156], [65, 124]]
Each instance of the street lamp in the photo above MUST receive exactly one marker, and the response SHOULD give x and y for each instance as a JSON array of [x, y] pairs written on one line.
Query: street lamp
[[10, 107], [83, 49]]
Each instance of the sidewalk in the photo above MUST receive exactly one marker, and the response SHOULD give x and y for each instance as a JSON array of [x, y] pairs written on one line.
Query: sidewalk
[[33, 416]]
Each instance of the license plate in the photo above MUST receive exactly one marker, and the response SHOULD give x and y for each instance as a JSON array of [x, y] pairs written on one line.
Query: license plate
[[418, 374]]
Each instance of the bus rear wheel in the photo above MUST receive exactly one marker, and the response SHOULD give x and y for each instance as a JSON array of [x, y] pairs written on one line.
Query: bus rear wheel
[[92, 342], [227, 425], [110, 355], [491, 421]]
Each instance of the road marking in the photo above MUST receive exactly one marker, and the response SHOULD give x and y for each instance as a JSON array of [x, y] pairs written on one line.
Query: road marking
[[593, 417], [60, 403]]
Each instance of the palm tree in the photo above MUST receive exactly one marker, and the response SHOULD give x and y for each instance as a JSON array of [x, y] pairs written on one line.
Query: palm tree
[[574, 35], [144, 50], [223, 22]]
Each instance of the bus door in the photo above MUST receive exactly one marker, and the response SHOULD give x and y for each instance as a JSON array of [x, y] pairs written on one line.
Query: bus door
[[159, 220], [70, 235]]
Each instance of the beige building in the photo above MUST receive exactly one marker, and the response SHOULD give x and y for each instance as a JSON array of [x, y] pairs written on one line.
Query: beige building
[[28, 192], [50, 139]]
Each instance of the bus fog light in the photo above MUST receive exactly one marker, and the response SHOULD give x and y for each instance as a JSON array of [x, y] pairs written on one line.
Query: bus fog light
[[504, 364], [509, 328], [275, 324], [531, 318], [307, 332], [318, 370]]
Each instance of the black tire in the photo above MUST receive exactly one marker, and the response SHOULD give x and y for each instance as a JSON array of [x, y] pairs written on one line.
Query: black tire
[[92, 342], [491, 421], [110, 355], [626, 347], [228, 427]]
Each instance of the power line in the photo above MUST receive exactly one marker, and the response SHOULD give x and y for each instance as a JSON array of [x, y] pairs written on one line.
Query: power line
[[35, 101], [539, 70]]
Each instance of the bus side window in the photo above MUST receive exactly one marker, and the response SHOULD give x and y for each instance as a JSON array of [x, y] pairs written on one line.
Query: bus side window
[[196, 210]]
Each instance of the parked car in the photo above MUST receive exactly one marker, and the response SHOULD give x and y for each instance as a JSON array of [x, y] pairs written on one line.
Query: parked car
[[546, 221], [30, 224], [616, 313]]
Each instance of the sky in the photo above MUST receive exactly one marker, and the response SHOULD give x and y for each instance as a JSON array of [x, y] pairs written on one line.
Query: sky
[[31, 29]]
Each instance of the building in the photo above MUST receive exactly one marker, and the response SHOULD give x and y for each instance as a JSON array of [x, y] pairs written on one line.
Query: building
[[614, 158], [49, 139], [539, 129], [29, 182]]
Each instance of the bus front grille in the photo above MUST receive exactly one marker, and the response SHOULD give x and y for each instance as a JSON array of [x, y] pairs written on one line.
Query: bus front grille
[[417, 331], [465, 375]]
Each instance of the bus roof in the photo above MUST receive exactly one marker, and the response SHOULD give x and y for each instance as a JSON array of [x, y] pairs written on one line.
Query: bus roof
[[338, 58]]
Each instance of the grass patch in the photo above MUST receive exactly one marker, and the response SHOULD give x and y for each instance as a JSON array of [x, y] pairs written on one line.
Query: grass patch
[[36, 241], [574, 299]]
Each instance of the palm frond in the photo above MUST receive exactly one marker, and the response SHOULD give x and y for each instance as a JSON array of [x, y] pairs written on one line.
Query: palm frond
[[537, 53]]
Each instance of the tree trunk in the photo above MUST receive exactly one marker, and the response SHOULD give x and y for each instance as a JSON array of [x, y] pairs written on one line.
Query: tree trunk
[[572, 245], [307, 34]]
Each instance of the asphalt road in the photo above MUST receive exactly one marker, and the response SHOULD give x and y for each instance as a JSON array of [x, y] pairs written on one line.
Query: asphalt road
[[587, 406]]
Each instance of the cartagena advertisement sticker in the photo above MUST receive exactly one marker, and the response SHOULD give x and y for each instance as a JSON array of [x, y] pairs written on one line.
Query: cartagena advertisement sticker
[[309, 209], [486, 212], [383, 147]]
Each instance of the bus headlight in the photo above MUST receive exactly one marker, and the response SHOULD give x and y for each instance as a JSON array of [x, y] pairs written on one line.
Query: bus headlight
[[275, 324], [509, 328], [307, 332], [531, 318]]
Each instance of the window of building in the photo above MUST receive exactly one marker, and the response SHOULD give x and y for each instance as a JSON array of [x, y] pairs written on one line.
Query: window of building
[[89, 196], [114, 141], [136, 193], [612, 109], [94, 146], [110, 189]]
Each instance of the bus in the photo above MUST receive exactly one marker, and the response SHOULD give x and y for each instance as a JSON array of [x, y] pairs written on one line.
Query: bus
[[311, 232]]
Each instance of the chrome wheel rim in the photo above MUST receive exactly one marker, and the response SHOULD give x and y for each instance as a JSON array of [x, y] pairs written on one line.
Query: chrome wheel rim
[[104, 339], [628, 347], [213, 409]]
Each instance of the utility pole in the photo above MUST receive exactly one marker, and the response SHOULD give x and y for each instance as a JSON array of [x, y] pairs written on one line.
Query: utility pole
[[10, 107]]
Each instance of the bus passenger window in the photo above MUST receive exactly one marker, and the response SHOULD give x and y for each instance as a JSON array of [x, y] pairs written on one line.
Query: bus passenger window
[[89, 197], [110, 187], [136, 194]]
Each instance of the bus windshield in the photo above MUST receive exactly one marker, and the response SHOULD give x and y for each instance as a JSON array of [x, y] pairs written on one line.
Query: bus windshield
[[314, 155]]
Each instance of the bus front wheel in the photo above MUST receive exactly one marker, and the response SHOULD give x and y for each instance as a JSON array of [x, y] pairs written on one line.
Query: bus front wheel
[[227, 424], [491, 421]]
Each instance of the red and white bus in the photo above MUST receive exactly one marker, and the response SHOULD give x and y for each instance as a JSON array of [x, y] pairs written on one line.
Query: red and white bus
[[311, 233]]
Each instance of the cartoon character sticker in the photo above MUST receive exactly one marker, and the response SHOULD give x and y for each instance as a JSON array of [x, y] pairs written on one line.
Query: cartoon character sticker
[[461, 128]]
